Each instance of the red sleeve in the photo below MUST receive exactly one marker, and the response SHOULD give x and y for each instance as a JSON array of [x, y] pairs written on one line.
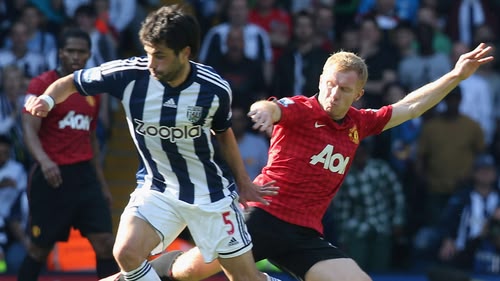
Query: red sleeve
[[37, 86], [373, 121]]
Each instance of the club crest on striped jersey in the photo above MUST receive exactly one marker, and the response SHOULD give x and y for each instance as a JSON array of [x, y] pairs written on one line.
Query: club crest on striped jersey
[[194, 113]]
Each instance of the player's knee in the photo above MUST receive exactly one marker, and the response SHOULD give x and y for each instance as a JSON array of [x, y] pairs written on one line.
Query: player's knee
[[38, 253], [127, 254], [102, 244]]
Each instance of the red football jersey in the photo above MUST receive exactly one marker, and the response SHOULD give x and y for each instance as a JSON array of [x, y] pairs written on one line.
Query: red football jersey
[[65, 132], [310, 155]]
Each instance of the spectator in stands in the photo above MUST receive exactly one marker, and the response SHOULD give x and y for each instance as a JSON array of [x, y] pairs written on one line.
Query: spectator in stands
[[325, 28], [443, 165], [103, 43], [11, 104], [32, 63], [464, 16], [380, 55], [426, 65], [245, 75], [484, 33], [13, 218], [54, 14], [349, 39], [8, 14], [297, 70], [477, 98], [404, 40], [441, 42], [369, 210], [39, 39], [276, 21], [257, 42], [389, 12], [465, 220]]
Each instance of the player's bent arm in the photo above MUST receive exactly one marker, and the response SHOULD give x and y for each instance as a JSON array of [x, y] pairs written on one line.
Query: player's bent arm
[[31, 126]]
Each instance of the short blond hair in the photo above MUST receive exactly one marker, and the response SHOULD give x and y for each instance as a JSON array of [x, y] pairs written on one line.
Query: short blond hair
[[347, 61]]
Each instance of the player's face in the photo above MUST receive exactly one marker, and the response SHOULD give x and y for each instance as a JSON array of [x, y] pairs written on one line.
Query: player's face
[[74, 55], [338, 91], [166, 66]]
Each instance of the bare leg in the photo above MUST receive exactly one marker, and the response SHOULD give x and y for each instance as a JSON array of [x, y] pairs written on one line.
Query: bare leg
[[341, 269]]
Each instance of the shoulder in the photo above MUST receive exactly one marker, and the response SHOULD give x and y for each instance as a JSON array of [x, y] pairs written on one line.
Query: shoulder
[[132, 63], [217, 30], [207, 76], [41, 82], [14, 166], [256, 29]]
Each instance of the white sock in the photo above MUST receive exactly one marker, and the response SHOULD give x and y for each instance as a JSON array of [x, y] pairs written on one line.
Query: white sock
[[143, 273], [270, 278]]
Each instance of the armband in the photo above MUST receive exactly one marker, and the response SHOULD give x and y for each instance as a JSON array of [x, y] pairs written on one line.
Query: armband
[[49, 100]]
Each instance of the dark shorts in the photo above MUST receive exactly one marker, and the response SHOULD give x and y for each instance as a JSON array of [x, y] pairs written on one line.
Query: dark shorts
[[294, 249], [78, 203]]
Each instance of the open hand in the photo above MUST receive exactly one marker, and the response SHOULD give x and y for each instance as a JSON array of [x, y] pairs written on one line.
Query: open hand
[[469, 62], [256, 193]]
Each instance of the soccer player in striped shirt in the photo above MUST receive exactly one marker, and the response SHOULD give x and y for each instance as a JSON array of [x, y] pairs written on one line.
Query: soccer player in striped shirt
[[178, 113], [312, 145]]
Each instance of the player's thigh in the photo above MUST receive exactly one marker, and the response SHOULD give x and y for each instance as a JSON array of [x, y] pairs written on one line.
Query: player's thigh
[[93, 215], [341, 269], [51, 211], [219, 230], [145, 224]]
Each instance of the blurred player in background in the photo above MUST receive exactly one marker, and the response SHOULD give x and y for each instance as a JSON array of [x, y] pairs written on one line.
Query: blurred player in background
[[67, 187]]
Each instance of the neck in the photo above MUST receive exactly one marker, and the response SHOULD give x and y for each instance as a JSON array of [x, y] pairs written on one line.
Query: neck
[[183, 75], [61, 71]]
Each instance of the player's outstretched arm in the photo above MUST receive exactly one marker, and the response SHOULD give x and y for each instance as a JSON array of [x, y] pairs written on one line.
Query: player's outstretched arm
[[427, 96], [56, 93]]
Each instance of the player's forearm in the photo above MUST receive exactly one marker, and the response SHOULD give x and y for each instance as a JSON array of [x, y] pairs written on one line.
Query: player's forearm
[[61, 89], [422, 99], [267, 106], [31, 126], [431, 94]]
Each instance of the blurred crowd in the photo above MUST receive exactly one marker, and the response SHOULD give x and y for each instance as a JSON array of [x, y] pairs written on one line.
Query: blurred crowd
[[425, 193]]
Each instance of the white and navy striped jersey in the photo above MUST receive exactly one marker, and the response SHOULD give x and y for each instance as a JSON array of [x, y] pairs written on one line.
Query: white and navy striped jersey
[[171, 127]]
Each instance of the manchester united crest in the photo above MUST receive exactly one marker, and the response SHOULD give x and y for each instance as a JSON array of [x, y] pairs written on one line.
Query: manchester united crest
[[353, 135]]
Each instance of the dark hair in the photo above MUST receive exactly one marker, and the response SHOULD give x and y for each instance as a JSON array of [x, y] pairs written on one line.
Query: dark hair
[[173, 27], [5, 140], [73, 33], [86, 10]]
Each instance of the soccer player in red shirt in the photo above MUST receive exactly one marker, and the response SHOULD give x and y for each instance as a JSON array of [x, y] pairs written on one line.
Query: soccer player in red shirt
[[312, 145], [67, 187]]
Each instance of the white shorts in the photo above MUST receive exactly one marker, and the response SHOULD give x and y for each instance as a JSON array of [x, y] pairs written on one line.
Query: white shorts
[[218, 229]]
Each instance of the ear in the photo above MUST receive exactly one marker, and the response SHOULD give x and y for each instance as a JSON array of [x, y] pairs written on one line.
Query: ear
[[186, 52], [360, 94], [320, 81]]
